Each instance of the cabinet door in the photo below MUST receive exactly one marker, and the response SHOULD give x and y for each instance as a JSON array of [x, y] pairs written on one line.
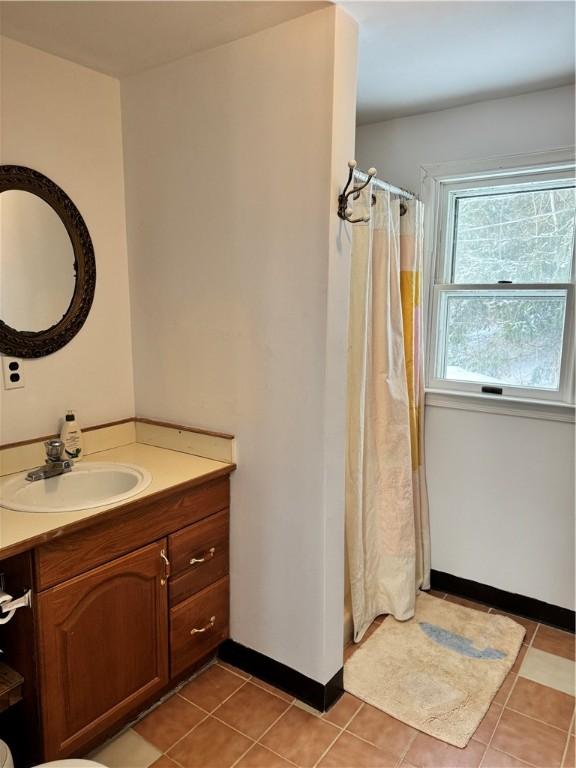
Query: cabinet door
[[103, 640]]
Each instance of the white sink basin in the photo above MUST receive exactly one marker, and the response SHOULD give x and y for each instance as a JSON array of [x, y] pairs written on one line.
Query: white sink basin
[[89, 484]]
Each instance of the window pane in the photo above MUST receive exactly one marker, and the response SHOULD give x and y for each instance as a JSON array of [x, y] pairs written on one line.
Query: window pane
[[504, 337], [525, 237]]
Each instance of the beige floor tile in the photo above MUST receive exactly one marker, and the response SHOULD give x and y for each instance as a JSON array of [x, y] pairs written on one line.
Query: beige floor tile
[[169, 722], [529, 740], [382, 730], [128, 750], [427, 752], [251, 710], [549, 669], [495, 759], [211, 744], [344, 709], [555, 641], [211, 687], [348, 752], [300, 737], [542, 703]]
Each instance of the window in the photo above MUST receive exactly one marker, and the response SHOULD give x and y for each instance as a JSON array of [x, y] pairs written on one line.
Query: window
[[502, 298]]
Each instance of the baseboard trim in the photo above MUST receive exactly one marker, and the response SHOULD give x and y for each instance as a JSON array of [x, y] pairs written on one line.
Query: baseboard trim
[[311, 692], [529, 607]]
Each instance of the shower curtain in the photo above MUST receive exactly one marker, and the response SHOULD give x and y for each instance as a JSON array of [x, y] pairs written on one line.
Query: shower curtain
[[387, 529]]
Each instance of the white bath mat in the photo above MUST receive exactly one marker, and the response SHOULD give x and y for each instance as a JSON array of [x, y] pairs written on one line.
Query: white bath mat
[[439, 671]]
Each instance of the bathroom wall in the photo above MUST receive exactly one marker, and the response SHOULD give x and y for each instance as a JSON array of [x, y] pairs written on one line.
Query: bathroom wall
[[239, 282], [501, 487], [532, 122], [65, 121]]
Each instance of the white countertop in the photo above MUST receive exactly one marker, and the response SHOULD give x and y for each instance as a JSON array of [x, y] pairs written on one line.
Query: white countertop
[[168, 468]]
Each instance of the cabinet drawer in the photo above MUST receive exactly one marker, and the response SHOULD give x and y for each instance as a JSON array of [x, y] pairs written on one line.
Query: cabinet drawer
[[198, 625], [121, 530], [198, 556]]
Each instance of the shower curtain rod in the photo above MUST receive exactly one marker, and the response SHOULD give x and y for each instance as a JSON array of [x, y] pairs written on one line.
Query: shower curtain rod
[[385, 185]]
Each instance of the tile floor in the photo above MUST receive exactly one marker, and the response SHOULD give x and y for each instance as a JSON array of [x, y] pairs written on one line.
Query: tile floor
[[224, 718]]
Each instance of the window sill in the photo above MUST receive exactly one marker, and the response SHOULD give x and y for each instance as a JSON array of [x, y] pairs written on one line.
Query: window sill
[[506, 406]]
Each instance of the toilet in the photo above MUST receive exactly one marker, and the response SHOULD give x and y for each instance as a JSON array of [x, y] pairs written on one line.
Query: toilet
[[6, 761]]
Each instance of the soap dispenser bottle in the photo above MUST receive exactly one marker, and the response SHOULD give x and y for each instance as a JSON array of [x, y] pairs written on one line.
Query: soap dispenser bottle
[[71, 436]]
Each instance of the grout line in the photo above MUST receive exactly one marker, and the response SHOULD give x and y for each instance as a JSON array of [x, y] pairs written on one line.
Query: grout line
[[339, 732], [344, 729], [142, 715], [567, 745], [537, 719], [372, 744], [171, 758], [229, 668], [360, 708], [507, 754], [258, 740], [261, 683], [489, 744], [208, 714], [194, 704], [215, 716], [414, 737]]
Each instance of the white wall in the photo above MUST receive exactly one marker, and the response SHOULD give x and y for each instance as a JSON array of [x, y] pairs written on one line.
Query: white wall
[[531, 122], [239, 288], [501, 487], [65, 121]]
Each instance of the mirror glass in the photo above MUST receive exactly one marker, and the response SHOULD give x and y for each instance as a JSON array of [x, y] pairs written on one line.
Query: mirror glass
[[37, 272]]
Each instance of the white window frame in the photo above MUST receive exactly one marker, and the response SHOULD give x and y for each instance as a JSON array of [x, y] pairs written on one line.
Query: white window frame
[[441, 185]]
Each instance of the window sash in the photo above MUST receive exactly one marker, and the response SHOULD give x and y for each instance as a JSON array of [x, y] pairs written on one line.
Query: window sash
[[510, 183], [565, 391]]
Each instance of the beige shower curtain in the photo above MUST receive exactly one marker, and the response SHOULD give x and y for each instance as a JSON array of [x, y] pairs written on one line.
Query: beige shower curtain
[[387, 529]]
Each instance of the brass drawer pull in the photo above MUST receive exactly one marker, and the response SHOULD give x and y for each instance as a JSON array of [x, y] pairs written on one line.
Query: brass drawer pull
[[204, 629], [164, 580], [208, 556]]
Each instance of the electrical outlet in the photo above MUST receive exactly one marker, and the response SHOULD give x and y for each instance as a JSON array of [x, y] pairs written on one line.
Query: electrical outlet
[[13, 373]]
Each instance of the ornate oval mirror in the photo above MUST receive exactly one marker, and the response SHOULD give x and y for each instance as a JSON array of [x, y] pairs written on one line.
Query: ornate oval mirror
[[47, 267]]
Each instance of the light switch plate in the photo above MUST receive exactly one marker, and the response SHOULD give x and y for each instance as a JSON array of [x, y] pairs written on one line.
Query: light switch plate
[[12, 372]]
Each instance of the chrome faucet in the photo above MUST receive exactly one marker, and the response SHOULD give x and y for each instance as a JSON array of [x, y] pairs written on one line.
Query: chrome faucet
[[55, 463]]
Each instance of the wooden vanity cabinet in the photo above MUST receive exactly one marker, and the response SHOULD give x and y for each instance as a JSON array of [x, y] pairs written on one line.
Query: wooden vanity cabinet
[[115, 636]]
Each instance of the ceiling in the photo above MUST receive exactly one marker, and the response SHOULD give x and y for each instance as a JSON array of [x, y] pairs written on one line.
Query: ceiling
[[424, 56], [121, 38], [413, 56]]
